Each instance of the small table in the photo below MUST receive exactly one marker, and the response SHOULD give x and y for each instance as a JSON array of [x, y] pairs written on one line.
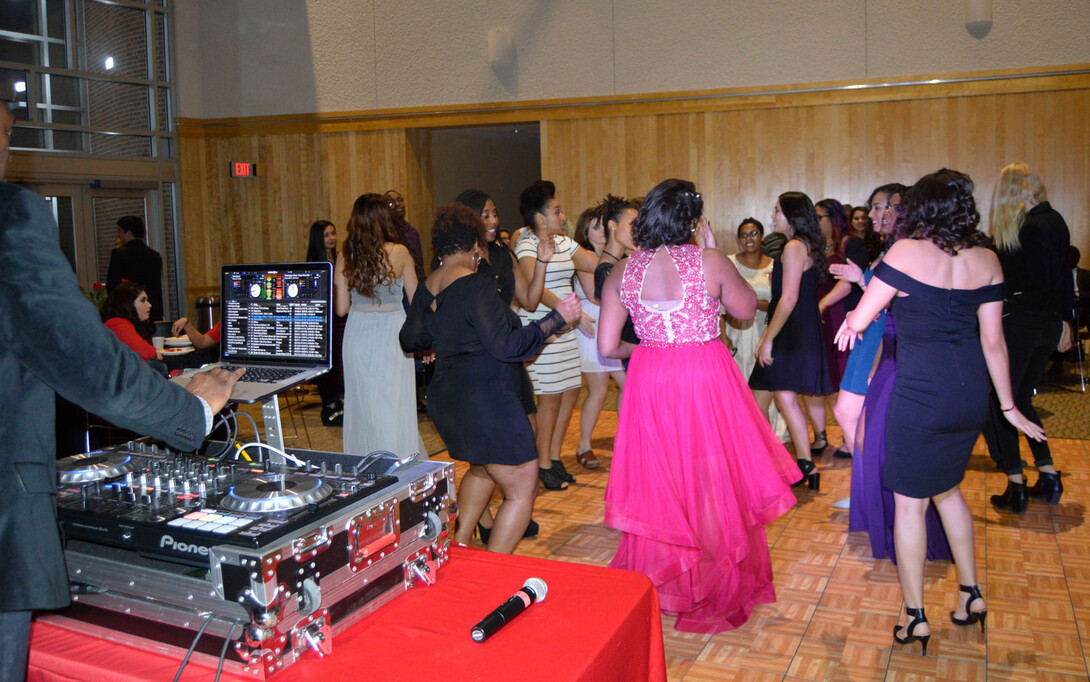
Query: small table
[[594, 624]]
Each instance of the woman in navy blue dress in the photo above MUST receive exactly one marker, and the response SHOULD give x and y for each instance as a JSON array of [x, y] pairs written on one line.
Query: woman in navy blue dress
[[949, 342]]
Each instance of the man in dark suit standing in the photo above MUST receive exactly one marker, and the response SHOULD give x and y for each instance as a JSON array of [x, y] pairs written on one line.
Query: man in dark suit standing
[[52, 341], [137, 262]]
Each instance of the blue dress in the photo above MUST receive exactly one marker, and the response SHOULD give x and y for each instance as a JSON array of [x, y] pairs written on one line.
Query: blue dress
[[861, 359], [940, 396]]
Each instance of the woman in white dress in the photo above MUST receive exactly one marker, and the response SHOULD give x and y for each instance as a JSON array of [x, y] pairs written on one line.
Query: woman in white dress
[[744, 335], [379, 379], [555, 372], [591, 233]]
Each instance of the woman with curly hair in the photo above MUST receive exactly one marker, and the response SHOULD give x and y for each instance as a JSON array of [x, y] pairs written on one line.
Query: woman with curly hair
[[1032, 240], [791, 357], [127, 313], [473, 398], [949, 341], [697, 472], [372, 275]]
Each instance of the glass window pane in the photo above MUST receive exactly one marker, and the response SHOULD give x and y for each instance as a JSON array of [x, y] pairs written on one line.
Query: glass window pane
[[115, 40], [58, 56], [120, 145], [27, 138], [19, 51], [15, 79], [162, 110], [159, 38], [59, 90], [118, 106], [21, 16], [55, 18]]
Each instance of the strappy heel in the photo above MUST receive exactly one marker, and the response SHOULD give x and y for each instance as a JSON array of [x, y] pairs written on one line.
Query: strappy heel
[[816, 451], [810, 474], [531, 532], [918, 618], [971, 617]]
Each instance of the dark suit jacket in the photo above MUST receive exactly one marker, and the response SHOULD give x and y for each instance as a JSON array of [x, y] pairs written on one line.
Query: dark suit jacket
[[138, 262], [51, 339]]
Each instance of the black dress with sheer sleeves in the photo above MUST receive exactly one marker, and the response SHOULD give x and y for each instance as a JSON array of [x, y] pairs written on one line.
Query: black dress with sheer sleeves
[[474, 396]]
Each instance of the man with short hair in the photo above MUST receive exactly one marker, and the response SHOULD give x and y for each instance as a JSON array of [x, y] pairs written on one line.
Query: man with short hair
[[137, 262], [53, 342], [409, 236]]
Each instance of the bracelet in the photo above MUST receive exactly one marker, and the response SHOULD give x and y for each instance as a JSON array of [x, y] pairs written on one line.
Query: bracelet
[[542, 261], [1008, 409], [607, 253]]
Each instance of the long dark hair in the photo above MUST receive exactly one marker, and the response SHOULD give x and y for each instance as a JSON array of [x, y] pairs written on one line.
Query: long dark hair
[[369, 227], [582, 227], [668, 215], [800, 214], [316, 251], [940, 208], [835, 210], [120, 303]]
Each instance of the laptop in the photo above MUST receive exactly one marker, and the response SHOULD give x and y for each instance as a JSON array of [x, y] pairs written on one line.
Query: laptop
[[275, 322]]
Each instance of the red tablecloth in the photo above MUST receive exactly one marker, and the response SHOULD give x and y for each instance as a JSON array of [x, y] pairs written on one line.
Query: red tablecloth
[[594, 624]]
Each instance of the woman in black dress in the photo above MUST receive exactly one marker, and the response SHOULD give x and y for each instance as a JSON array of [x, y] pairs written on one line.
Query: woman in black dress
[[791, 357], [949, 341], [1038, 301], [322, 247], [498, 262], [473, 399]]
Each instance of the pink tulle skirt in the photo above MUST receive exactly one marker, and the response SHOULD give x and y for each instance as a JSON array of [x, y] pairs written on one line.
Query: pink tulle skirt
[[697, 473]]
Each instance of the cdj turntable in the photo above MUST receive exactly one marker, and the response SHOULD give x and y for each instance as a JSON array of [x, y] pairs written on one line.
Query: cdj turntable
[[264, 561], [177, 506]]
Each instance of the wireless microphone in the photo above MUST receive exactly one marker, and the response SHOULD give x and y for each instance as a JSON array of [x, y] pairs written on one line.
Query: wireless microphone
[[533, 590]]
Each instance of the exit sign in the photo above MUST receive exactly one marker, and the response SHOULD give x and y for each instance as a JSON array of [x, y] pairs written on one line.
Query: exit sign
[[243, 169]]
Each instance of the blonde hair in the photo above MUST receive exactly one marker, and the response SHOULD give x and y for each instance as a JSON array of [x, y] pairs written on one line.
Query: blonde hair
[[1017, 186]]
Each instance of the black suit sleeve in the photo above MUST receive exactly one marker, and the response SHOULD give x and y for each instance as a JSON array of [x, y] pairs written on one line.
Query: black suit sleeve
[[50, 330]]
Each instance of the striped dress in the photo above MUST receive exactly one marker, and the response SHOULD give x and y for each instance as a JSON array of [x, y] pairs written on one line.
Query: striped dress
[[556, 368]]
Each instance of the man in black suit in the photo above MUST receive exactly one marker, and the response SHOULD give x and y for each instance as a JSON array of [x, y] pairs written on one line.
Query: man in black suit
[[52, 341], [137, 262]]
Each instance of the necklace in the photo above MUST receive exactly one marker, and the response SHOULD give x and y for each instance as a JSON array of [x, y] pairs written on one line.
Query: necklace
[[607, 253]]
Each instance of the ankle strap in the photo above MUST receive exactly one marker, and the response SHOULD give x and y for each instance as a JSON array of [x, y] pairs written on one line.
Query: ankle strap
[[916, 613], [973, 590]]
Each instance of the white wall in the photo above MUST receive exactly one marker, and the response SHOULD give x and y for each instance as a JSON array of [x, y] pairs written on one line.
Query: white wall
[[266, 57]]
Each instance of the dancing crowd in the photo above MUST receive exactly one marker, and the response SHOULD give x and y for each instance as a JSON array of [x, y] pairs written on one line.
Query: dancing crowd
[[915, 327]]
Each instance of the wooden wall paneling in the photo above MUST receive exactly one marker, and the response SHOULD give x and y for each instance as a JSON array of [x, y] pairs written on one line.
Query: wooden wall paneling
[[741, 153]]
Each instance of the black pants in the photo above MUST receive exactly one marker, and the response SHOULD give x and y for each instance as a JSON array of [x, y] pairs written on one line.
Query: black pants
[[1031, 340]]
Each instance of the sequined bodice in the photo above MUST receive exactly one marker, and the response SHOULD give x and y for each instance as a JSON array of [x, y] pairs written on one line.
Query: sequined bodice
[[695, 320]]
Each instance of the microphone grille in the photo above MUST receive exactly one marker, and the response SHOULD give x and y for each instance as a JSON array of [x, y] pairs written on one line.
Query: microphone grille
[[538, 586]]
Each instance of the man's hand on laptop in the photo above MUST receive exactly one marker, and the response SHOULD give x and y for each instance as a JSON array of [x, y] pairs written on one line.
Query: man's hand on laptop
[[214, 386]]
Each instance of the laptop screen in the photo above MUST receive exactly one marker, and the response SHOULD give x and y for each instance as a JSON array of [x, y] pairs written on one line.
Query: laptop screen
[[276, 313]]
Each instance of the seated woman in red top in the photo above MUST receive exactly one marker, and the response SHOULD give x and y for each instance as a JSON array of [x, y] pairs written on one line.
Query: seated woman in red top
[[127, 314]]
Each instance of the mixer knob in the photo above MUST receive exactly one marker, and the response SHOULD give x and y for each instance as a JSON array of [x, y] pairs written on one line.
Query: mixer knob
[[171, 484], [322, 469], [337, 468], [129, 478], [201, 489], [185, 486], [154, 447], [146, 499], [130, 495]]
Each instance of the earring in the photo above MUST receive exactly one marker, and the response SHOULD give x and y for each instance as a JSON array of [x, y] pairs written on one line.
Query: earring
[[440, 261]]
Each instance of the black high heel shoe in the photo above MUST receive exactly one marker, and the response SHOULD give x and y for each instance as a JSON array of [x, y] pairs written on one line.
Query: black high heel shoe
[[810, 474], [918, 618], [816, 451], [971, 617], [483, 533], [531, 532]]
